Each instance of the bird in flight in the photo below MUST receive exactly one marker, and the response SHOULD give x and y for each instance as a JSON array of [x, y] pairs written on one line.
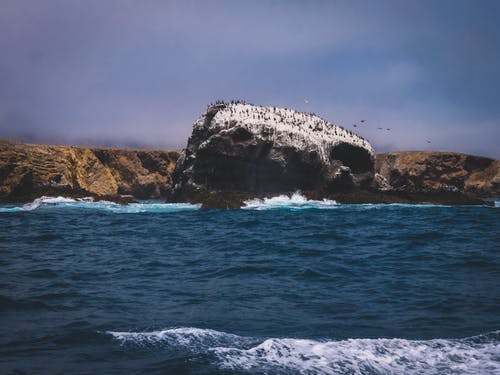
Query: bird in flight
[[306, 101], [362, 120], [355, 125], [388, 129], [428, 141], [379, 128]]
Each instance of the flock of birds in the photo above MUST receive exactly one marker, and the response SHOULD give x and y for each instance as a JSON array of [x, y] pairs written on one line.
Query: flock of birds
[[306, 101], [363, 122]]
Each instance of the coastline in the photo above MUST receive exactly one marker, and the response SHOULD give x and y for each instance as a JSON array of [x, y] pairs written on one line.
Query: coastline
[[125, 176]]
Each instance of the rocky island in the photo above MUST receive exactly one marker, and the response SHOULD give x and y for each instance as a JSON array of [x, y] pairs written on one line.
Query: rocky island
[[238, 151]]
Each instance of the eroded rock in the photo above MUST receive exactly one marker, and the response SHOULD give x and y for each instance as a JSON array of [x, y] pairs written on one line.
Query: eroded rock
[[30, 171], [257, 150]]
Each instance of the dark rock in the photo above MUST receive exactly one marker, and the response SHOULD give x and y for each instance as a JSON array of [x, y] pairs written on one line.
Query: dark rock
[[242, 150]]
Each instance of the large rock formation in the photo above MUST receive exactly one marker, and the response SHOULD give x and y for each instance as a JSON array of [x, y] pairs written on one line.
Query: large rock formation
[[431, 171], [29, 171], [242, 149]]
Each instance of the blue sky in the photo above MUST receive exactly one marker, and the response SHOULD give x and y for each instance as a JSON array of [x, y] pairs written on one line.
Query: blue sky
[[138, 73]]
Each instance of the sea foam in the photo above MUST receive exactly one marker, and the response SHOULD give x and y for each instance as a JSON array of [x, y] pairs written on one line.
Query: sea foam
[[193, 339], [89, 203], [473, 355], [295, 202]]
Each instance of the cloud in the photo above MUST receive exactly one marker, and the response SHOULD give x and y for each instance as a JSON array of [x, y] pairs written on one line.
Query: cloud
[[128, 72]]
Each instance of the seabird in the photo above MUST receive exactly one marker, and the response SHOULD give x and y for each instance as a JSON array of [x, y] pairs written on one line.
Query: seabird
[[379, 128], [362, 120], [388, 129], [428, 141], [306, 101], [355, 125]]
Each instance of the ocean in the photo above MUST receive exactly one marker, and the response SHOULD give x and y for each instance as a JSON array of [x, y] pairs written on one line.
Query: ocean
[[284, 286]]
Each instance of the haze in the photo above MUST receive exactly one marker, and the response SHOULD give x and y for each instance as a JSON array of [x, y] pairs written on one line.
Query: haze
[[138, 73]]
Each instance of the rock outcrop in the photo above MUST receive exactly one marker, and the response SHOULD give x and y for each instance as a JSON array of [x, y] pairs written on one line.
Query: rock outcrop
[[29, 171], [237, 149], [431, 171], [238, 152]]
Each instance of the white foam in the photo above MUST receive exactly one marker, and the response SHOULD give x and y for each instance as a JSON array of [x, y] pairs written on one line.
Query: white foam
[[474, 355], [295, 202], [362, 356], [46, 201], [194, 339], [89, 203]]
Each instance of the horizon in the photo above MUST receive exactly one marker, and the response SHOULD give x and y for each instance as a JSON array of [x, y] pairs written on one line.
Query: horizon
[[118, 74]]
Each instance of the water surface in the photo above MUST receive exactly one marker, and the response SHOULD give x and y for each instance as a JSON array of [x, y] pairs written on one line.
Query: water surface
[[284, 286]]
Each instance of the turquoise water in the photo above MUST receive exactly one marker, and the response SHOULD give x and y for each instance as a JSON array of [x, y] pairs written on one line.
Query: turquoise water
[[283, 286]]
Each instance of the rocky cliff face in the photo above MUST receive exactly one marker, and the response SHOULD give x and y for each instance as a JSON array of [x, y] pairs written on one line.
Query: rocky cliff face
[[29, 171], [429, 171], [247, 149]]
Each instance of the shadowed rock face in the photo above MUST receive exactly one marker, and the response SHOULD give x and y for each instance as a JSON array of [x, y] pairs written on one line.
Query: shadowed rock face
[[415, 171], [29, 171], [244, 148]]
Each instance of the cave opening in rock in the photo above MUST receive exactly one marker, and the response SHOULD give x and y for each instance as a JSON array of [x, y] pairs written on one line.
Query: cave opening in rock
[[354, 157]]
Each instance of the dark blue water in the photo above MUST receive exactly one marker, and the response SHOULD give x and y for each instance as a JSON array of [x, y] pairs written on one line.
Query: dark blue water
[[315, 288]]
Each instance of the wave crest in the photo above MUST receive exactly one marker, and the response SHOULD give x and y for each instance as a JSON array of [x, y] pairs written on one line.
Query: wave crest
[[188, 337], [89, 203], [473, 355], [295, 202]]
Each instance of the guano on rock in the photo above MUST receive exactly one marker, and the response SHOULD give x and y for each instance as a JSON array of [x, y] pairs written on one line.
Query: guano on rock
[[238, 150]]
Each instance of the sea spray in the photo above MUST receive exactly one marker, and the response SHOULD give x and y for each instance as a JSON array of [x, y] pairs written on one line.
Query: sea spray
[[90, 204], [473, 355], [294, 202]]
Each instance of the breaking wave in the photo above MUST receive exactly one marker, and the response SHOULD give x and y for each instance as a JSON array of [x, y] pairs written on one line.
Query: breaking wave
[[89, 203], [472, 355], [186, 337], [295, 202]]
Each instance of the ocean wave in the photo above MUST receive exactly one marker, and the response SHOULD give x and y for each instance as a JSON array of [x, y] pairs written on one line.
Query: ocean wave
[[282, 202], [473, 355], [187, 337], [295, 202], [89, 203]]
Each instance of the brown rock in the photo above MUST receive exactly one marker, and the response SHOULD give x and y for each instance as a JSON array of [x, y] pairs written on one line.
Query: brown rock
[[28, 171], [428, 171]]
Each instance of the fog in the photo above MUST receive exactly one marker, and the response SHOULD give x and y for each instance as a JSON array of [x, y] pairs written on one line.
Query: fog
[[130, 73]]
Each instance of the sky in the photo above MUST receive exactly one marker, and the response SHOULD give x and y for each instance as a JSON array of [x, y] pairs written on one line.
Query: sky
[[139, 73]]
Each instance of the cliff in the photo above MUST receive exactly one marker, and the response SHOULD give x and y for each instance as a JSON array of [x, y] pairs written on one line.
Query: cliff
[[428, 171], [229, 160], [246, 150], [28, 171]]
